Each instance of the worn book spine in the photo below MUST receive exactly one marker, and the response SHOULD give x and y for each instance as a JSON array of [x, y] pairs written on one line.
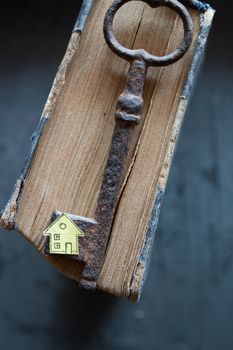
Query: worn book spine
[[8, 215]]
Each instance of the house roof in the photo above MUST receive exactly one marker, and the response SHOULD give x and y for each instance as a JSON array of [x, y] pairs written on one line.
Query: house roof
[[66, 223]]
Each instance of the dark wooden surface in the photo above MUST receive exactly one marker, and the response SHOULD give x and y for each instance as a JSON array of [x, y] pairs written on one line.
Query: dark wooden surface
[[187, 303]]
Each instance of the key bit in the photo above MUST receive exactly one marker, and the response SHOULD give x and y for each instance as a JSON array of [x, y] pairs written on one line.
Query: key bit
[[94, 233]]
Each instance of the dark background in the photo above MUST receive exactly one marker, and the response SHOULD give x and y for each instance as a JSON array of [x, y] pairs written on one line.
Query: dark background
[[187, 302]]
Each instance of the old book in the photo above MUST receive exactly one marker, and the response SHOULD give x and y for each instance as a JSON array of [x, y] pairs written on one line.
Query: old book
[[66, 162]]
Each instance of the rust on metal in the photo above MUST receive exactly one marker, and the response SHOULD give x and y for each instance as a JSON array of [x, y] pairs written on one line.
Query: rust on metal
[[141, 54], [97, 231]]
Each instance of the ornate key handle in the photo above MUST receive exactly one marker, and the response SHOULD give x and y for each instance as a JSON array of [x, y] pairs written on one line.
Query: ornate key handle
[[94, 233], [141, 54], [130, 103]]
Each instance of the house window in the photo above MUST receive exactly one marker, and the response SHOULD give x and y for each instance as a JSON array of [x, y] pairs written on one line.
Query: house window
[[57, 245], [62, 226], [57, 237]]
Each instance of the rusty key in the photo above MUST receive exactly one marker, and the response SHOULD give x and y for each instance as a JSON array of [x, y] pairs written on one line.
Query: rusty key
[[95, 232]]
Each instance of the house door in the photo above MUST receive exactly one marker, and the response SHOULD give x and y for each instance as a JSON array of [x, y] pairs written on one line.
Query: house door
[[68, 248]]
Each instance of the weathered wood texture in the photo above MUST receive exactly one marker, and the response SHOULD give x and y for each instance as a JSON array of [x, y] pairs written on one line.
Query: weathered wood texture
[[77, 125]]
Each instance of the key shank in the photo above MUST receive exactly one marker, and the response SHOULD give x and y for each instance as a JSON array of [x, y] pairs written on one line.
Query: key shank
[[130, 103], [129, 108]]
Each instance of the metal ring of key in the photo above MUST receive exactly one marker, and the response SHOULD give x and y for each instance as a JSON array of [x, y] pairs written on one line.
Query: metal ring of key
[[141, 54], [95, 233], [131, 102]]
